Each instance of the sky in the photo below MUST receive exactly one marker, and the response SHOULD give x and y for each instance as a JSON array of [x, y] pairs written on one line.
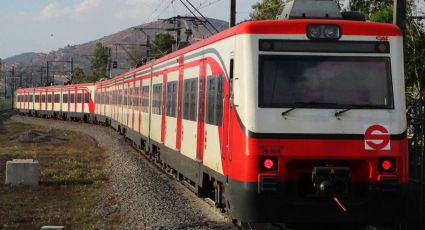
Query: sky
[[46, 25]]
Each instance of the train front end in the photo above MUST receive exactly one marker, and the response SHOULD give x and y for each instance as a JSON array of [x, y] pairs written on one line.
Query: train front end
[[318, 125]]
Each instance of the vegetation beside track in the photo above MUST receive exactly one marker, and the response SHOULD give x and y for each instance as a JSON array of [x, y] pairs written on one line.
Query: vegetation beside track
[[71, 176]]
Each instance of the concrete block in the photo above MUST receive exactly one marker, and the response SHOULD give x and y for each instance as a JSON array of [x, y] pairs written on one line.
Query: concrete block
[[52, 228], [22, 171]]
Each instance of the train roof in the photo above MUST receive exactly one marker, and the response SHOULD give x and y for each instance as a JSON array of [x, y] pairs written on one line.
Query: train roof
[[294, 27], [359, 28]]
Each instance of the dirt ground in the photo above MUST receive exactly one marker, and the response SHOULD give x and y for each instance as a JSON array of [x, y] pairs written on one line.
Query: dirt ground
[[71, 176]]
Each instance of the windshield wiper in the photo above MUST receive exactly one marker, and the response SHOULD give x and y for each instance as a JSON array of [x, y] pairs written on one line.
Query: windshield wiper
[[339, 113], [351, 107], [299, 105]]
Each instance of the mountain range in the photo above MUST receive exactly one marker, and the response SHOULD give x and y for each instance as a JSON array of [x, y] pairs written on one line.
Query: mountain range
[[126, 45]]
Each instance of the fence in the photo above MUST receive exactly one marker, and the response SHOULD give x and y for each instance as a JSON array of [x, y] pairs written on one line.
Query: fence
[[416, 195]]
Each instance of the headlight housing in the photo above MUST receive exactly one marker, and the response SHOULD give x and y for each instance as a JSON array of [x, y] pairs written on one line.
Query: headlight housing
[[323, 32]]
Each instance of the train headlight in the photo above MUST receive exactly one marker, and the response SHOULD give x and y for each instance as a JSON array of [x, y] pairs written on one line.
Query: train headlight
[[323, 32]]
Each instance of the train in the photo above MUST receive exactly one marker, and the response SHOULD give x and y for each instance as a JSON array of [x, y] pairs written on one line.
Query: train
[[301, 120]]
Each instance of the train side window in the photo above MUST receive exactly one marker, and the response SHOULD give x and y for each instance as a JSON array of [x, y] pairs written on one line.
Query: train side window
[[49, 98], [135, 96], [79, 98], [214, 110], [145, 99], [32, 98], [190, 99], [43, 98], [72, 98], [157, 99], [86, 98], [125, 97], [37, 98], [65, 98], [130, 97], [171, 98], [57, 98]]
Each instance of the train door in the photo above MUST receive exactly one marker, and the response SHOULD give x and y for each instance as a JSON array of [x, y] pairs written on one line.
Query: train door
[[201, 138], [156, 108], [229, 103], [145, 107], [190, 110], [163, 109], [121, 104], [171, 110]]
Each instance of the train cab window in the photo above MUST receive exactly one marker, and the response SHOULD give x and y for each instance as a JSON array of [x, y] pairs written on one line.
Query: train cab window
[[214, 107], [49, 98], [43, 98], [145, 99], [171, 98], [57, 98], [65, 98], [157, 99], [325, 82], [190, 99], [79, 98], [86, 98], [37, 98], [72, 98]]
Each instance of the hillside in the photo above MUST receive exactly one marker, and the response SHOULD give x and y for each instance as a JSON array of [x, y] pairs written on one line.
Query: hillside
[[29, 64]]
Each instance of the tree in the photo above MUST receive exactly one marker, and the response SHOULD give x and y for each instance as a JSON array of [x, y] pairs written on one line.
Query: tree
[[266, 10], [99, 62], [382, 11], [79, 75], [369, 7], [162, 44]]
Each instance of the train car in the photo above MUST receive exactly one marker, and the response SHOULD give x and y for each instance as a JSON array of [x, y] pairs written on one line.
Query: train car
[[295, 121]]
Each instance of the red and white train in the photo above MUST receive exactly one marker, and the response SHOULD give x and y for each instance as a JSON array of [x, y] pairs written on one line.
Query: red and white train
[[277, 121]]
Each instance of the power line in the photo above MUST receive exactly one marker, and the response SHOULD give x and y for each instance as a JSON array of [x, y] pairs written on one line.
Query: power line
[[199, 12]]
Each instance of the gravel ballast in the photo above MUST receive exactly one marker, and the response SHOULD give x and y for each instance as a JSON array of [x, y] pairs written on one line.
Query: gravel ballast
[[138, 195]]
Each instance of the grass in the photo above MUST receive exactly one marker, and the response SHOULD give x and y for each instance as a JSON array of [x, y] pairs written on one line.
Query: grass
[[71, 178]]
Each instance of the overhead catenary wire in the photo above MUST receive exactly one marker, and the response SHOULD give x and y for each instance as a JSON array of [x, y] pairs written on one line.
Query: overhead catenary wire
[[199, 12], [211, 32]]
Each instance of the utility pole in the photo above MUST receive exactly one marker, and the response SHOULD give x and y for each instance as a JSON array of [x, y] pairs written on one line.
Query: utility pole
[[1, 72], [41, 75], [13, 83], [232, 13], [47, 72], [72, 70], [400, 18]]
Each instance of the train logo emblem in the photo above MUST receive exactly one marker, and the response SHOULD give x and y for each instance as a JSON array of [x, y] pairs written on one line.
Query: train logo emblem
[[377, 137]]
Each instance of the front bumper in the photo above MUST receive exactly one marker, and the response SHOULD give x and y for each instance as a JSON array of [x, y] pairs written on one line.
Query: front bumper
[[366, 204]]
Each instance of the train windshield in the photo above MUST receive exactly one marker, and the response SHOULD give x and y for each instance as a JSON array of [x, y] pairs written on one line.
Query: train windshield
[[325, 82]]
